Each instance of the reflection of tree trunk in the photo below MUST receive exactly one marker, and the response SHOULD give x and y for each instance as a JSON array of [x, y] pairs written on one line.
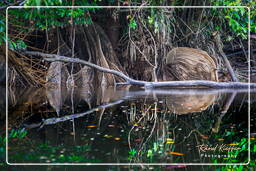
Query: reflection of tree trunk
[[102, 97], [24, 101], [56, 97], [224, 110]]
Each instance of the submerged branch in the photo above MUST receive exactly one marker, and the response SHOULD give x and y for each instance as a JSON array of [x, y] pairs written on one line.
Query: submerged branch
[[146, 84]]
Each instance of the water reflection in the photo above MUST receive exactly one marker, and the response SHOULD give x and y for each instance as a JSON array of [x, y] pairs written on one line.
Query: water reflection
[[126, 124], [189, 103]]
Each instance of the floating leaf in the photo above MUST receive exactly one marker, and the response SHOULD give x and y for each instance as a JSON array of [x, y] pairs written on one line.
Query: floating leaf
[[91, 126], [170, 142], [28, 103], [176, 153], [169, 139], [155, 109], [117, 138], [108, 136]]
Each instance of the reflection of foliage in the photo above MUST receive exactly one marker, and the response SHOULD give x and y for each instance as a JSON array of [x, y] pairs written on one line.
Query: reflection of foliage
[[244, 146], [42, 152], [14, 134], [159, 133], [2, 148], [156, 131], [233, 134], [49, 153]]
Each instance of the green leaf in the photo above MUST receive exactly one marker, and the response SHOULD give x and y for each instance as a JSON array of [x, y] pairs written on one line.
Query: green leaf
[[133, 23]]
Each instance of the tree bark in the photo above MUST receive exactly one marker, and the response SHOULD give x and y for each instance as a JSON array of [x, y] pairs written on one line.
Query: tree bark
[[146, 84], [224, 57]]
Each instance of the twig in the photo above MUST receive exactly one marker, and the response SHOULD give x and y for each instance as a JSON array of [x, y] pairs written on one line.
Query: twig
[[155, 49]]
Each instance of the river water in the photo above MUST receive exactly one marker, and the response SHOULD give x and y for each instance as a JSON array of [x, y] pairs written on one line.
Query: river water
[[128, 125]]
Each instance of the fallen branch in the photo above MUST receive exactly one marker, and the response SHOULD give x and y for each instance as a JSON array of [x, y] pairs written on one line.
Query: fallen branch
[[146, 84]]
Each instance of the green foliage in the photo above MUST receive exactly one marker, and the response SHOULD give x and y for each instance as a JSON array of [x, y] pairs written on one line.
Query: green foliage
[[158, 21], [132, 23], [48, 153], [244, 146], [43, 2], [2, 31], [17, 45], [14, 134], [44, 18], [237, 18], [154, 20], [18, 133], [2, 148], [60, 3], [132, 152]]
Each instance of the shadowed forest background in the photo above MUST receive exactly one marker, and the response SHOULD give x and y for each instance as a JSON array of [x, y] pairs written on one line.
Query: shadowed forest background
[[146, 44]]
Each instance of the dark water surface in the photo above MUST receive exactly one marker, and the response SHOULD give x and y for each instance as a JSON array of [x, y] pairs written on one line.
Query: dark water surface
[[125, 125]]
